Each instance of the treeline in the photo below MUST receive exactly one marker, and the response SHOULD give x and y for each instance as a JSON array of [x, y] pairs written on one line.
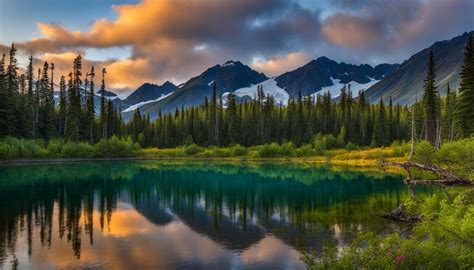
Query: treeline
[[260, 121], [28, 110], [350, 120]]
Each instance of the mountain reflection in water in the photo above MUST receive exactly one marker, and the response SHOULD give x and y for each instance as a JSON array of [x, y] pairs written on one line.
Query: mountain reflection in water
[[166, 215]]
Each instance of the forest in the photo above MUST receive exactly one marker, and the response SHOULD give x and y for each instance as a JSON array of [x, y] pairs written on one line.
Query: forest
[[28, 111]]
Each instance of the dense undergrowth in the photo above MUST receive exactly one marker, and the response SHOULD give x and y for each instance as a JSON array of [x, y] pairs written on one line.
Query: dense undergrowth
[[12, 148], [442, 240]]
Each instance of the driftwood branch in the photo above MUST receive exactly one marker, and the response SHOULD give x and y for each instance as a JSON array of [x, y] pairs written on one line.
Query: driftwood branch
[[445, 177]]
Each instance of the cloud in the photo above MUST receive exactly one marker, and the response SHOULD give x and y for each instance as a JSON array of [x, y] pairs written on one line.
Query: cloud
[[177, 39], [351, 31], [396, 28], [281, 64], [164, 36]]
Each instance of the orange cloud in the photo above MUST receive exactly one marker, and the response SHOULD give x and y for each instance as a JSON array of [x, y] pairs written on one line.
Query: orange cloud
[[281, 64], [163, 36], [351, 31], [121, 74]]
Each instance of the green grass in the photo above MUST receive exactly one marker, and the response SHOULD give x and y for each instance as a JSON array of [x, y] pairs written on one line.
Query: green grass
[[13, 148]]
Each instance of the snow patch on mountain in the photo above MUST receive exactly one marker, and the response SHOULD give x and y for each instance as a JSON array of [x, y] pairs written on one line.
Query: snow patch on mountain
[[335, 89], [141, 104], [229, 64], [269, 88]]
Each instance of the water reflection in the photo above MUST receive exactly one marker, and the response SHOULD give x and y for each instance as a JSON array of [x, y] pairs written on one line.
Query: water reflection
[[135, 215]]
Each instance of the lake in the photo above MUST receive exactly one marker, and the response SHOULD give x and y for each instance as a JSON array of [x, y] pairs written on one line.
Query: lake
[[185, 215]]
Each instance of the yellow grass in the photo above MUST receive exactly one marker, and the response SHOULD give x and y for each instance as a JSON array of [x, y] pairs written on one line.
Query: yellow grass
[[355, 158]]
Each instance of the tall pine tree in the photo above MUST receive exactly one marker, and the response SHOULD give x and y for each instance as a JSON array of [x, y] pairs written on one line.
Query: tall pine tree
[[465, 105], [430, 103]]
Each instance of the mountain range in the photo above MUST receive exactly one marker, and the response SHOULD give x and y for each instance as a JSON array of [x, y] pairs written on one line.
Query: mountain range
[[401, 82], [406, 82]]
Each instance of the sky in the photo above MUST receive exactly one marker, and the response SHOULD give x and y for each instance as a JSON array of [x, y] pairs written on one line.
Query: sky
[[173, 40]]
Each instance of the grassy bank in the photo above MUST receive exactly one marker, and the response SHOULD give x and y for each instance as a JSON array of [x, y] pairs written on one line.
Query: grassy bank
[[458, 155], [283, 153]]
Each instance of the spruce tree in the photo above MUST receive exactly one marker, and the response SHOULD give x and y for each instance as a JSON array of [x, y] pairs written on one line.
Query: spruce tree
[[103, 109], [232, 118], [449, 114], [4, 112], [30, 109], [46, 105], [465, 104], [380, 134], [90, 106], [430, 102], [11, 94], [62, 106]]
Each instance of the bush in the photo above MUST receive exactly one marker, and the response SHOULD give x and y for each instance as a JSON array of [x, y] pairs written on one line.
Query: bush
[[55, 148], [238, 150], [78, 150], [304, 151], [193, 149], [319, 146], [330, 141], [6, 151], [269, 150], [424, 152], [287, 149], [24, 148], [351, 146], [323, 143], [400, 149], [220, 152], [115, 147], [457, 155]]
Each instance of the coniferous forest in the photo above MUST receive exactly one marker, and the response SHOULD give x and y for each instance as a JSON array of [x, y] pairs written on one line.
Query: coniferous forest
[[28, 110]]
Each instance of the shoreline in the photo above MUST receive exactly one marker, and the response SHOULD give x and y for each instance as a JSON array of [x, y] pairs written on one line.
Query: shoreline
[[317, 160]]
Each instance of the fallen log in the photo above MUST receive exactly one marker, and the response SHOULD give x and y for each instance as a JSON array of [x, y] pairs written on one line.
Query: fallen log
[[446, 178], [399, 214]]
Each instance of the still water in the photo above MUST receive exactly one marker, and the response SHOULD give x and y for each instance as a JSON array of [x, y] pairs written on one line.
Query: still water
[[182, 215]]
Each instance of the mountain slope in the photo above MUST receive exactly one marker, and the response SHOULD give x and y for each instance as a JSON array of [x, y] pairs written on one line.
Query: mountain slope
[[228, 77], [405, 83], [324, 72], [148, 91]]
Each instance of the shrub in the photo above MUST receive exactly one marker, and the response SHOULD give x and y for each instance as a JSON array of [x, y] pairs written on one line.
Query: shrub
[[330, 141], [323, 143], [458, 156], [24, 148], [304, 151], [351, 146], [6, 151], [55, 148], [340, 141], [424, 152], [115, 147], [287, 149], [78, 150], [319, 144], [220, 152], [239, 150], [269, 150], [400, 149], [193, 149]]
